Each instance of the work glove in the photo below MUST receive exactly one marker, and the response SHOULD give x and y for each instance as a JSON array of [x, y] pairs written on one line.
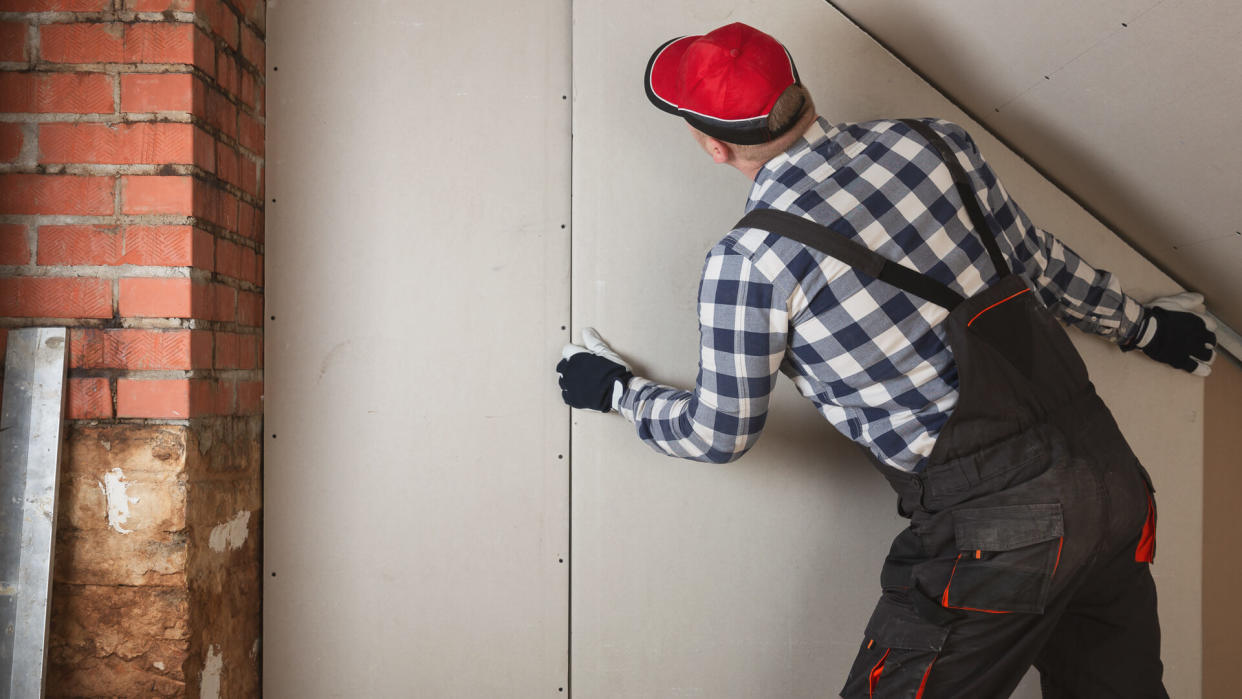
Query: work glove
[[1174, 330], [592, 375]]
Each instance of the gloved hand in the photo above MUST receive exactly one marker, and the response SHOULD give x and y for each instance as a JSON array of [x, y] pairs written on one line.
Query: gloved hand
[[1175, 331], [592, 376]]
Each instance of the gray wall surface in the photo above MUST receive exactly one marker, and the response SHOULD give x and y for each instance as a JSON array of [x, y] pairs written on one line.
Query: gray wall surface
[[416, 505], [416, 510]]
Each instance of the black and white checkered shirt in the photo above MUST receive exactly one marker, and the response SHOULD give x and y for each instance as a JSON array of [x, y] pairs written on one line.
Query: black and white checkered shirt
[[871, 357]]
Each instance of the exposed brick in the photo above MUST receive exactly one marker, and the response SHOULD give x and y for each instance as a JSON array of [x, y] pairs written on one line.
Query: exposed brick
[[78, 245], [216, 205], [94, 42], [56, 194], [10, 142], [215, 302], [70, 93], [147, 142], [157, 194], [211, 397], [258, 270], [88, 399], [254, 12], [220, 112], [248, 351], [253, 49], [250, 222], [204, 52], [250, 180], [165, 398], [250, 397], [249, 308], [159, 42], [138, 350], [248, 91], [250, 266], [158, 92], [220, 18], [55, 297], [229, 259], [55, 5], [176, 246], [228, 72], [156, 298], [227, 164], [14, 248], [228, 351], [158, 5], [204, 150], [13, 41], [251, 133]]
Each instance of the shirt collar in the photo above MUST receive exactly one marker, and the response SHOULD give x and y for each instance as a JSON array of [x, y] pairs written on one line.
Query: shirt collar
[[816, 137]]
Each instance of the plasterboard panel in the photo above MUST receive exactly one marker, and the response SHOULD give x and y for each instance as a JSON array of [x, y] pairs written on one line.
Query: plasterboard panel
[[1136, 120], [416, 501], [755, 578]]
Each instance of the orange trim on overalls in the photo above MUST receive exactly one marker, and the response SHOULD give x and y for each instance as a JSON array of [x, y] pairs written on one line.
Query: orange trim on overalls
[[944, 598], [923, 684], [1146, 550], [874, 677], [995, 305]]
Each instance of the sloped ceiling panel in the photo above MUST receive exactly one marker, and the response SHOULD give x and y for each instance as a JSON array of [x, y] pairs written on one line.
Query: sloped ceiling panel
[[1130, 105]]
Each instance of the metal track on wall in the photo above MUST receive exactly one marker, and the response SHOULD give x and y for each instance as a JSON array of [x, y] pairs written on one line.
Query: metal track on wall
[[30, 437]]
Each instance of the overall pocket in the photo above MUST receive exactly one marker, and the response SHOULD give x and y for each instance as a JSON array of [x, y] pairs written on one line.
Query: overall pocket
[[898, 650], [1006, 558]]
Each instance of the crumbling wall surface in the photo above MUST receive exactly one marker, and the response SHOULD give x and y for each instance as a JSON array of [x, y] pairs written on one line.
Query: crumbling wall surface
[[131, 210]]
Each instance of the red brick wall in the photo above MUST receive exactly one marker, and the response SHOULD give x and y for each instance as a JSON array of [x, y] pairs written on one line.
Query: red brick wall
[[131, 209]]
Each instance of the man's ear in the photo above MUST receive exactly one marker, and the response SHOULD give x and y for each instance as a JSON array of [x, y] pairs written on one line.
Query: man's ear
[[719, 150]]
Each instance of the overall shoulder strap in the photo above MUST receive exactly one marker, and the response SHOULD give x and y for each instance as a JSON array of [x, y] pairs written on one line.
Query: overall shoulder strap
[[966, 192], [852, 253]]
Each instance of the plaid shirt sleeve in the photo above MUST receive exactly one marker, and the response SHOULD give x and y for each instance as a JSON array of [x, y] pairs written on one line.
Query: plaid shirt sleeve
[[1088, 298], [743, 323]]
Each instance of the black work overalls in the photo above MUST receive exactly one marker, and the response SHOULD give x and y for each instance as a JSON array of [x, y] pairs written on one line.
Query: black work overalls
[[1032, 525]]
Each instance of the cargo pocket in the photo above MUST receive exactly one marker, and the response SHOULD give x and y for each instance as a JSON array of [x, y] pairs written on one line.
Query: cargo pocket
[[1006, 558], [898, 650]]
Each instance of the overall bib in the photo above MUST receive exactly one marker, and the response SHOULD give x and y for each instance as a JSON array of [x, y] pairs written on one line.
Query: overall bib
[[1033, 524]]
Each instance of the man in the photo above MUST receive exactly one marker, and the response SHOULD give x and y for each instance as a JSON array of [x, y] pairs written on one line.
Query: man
[[883, 267]]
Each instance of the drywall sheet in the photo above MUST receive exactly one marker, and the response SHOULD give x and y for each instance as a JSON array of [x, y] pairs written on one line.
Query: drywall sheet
[[416, 501], [1130, 104], [754, 579]]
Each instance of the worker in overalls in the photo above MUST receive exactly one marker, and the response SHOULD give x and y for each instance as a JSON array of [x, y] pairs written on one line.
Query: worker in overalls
[[884, 268]]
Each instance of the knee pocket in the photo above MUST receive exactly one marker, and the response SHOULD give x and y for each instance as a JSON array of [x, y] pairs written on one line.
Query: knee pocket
[[898, 650]]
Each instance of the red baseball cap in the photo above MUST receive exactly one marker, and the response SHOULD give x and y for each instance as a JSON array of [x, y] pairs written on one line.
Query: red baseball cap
[[724, 82]]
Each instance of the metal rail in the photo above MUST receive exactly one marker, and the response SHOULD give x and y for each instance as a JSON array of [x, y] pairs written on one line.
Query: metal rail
[[30, 438]]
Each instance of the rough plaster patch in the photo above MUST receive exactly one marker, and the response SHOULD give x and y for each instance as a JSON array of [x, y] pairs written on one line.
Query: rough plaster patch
[[254, 650], [232, 533], [113, 487], [159, 666], [209, 688]]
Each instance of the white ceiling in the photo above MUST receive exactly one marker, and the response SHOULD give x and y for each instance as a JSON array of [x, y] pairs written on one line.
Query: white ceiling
[[1132, 106]]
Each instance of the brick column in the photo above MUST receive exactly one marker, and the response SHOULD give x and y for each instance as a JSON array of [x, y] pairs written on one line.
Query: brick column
[[131, 209]]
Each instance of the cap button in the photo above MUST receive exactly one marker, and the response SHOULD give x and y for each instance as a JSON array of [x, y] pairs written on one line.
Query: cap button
[[734, 52]]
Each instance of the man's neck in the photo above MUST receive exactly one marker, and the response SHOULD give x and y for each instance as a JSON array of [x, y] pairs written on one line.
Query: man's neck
[[751, 168]]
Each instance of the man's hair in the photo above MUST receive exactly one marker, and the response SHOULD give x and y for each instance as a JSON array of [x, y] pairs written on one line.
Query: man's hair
[[794, 105]]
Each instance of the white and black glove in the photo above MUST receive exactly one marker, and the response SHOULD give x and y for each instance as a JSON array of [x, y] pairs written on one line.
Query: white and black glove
[[592, 376], [1174, 330]]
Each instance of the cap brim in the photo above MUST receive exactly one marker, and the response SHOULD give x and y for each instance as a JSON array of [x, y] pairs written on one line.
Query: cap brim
[[661, 79]]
